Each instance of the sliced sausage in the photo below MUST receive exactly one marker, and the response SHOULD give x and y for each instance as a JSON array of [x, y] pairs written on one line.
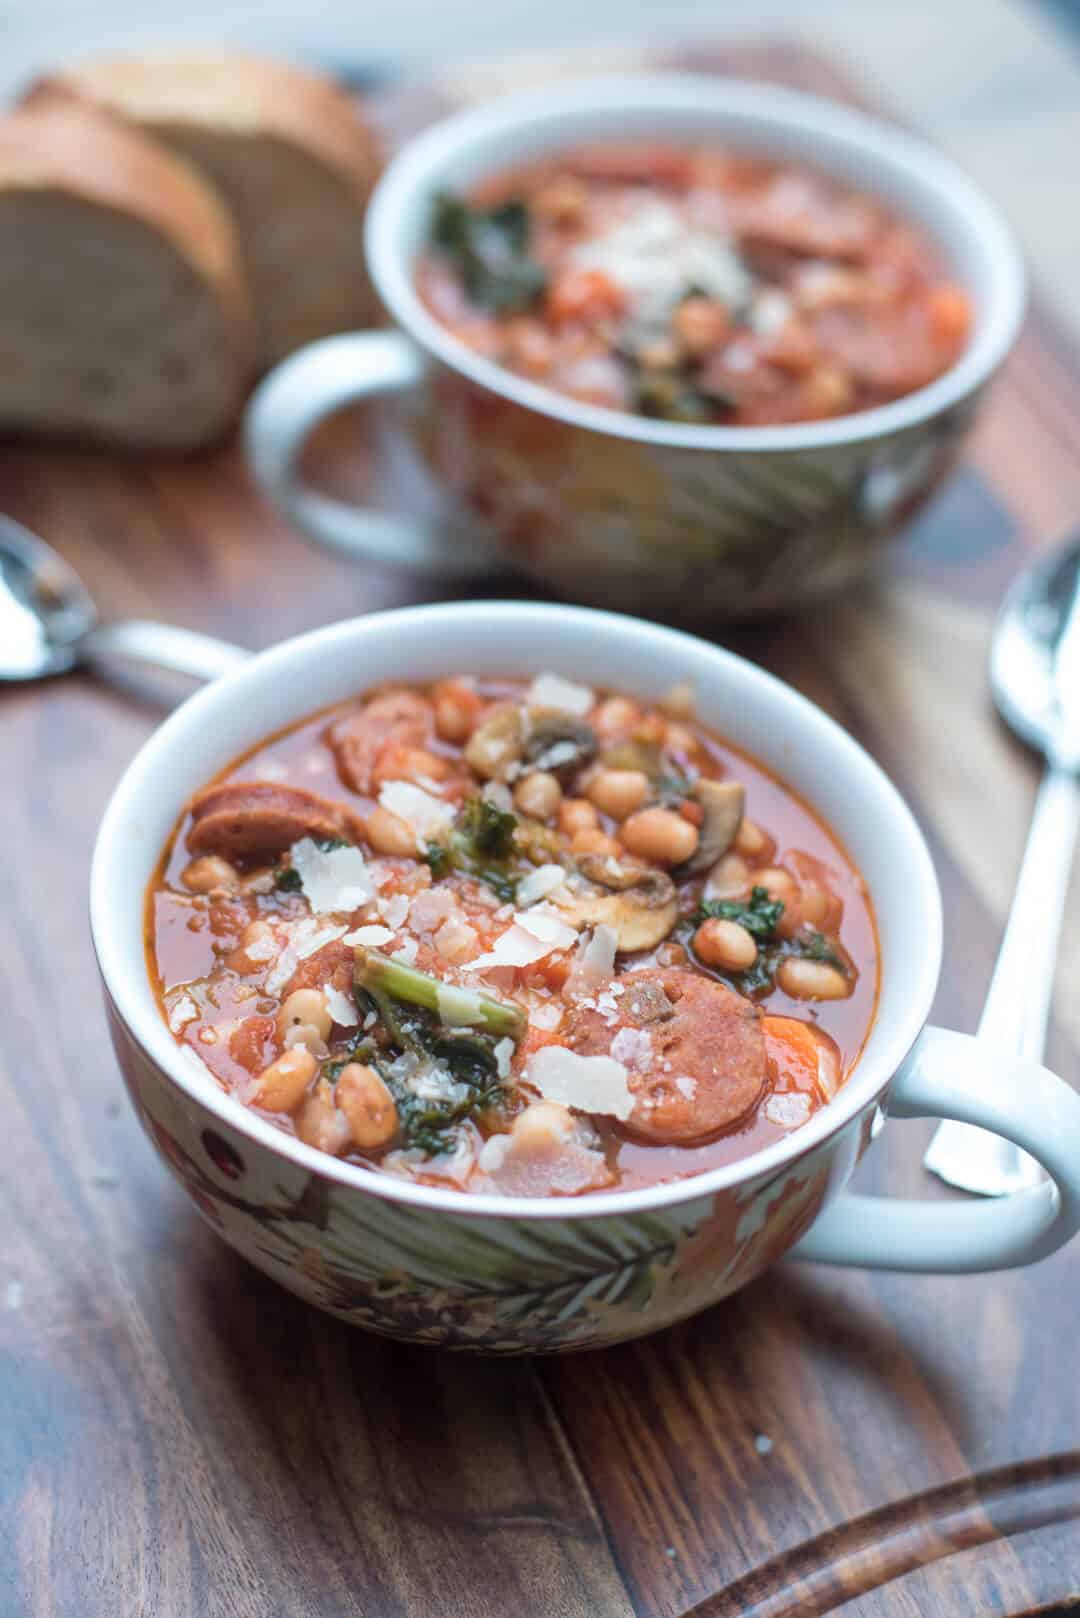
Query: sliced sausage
[[693, 1049], [254, 821], [360, 736]]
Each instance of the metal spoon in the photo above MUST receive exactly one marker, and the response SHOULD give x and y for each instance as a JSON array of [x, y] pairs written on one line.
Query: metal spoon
[[48, 623], [1035, 677]]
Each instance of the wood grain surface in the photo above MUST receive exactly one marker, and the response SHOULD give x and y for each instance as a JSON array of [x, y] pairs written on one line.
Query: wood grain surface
[[180, 1439]]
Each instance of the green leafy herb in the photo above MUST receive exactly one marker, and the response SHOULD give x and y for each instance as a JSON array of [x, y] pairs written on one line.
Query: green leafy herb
[[669, 395], [437, 857], [814, 946], [759, 914], [490, 248], [489, 829], [410, 1004], [480, 844]]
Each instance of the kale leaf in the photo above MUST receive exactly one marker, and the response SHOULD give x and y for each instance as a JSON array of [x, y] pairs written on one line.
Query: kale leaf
[[759, 915], [490, 249], [481, 845]]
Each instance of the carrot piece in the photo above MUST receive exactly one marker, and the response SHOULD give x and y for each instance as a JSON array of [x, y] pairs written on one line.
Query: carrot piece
[[801, 1057], [950, 315], [584, 295]]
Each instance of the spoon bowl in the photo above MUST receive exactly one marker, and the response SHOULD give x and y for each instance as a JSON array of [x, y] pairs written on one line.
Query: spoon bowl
[[49, 624], [1035, 655], [45, 609]]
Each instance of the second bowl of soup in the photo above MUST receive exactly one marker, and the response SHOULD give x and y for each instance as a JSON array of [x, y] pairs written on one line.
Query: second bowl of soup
[[676, 345]]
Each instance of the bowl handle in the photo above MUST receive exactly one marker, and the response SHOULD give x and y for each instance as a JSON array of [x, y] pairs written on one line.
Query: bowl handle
[[951, 1075], [290, 403]]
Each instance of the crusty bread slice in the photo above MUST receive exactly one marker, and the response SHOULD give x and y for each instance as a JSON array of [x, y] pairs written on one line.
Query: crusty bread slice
[[123, 311], [293, 159]]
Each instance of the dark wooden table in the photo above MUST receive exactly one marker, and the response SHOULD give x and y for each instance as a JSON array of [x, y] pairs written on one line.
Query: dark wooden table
[[180, 1439]]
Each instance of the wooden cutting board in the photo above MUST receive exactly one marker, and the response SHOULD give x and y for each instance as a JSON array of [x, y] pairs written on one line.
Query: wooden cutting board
[[179, 1437]]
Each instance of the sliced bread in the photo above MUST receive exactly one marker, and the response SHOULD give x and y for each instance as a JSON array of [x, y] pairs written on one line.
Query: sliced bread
[[123, 310], [291, 156]]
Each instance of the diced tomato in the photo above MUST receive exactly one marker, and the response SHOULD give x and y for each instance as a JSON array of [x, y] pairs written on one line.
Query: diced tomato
[[950, 315], [253, 1043], [584, 295]]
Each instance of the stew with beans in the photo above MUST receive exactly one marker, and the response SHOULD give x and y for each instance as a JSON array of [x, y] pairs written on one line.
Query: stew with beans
[[693, 285], [516, 937]]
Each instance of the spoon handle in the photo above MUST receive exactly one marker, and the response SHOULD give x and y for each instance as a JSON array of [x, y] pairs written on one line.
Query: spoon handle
[[1017, 1007], [164, 646]]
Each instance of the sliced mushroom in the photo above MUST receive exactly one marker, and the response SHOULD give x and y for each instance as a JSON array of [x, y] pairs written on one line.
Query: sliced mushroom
[[636, 901], [513, 738], [495, 747], [558, 741], [723, 803]]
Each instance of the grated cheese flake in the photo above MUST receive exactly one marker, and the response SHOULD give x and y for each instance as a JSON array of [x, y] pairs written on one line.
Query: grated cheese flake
[[539, 883], [183, 1010], [587, 1083], [341, 1007], [333, 879], [552, 691], [503, 1054], [370, 936], [317, 941], [789, 1111], [425, 813], [546, 925]]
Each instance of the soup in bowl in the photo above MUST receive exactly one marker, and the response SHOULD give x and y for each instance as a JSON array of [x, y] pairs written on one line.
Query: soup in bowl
[[670, 344], [528, 978]]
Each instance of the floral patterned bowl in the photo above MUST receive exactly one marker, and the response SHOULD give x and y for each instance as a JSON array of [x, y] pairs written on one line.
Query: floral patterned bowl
[[707, 523], [512, 1274]]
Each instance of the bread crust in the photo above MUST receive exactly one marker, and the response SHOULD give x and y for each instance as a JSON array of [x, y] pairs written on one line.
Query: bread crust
[[59, 149], [57, 140], [240, 93], [293, 158]]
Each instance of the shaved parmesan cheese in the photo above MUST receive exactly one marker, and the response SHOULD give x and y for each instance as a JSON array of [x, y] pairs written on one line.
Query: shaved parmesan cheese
[[263, 948], [587, 1083], [370, 937], [430, 908], [654, 255], [317, 941], [540, 884], [532, 935], [498, 793], [789, 1111], [425, 813], [492, 1154], [633, 1048], [341, 1007], [394, 910], [594, 960], [182, 1010], [547, 1014], [333, 879], [552, 691], [503, 1054], [545, 924], [514, 947]]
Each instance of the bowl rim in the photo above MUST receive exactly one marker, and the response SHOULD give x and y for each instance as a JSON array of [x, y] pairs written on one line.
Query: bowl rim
[[414, 172], [131, 994]]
